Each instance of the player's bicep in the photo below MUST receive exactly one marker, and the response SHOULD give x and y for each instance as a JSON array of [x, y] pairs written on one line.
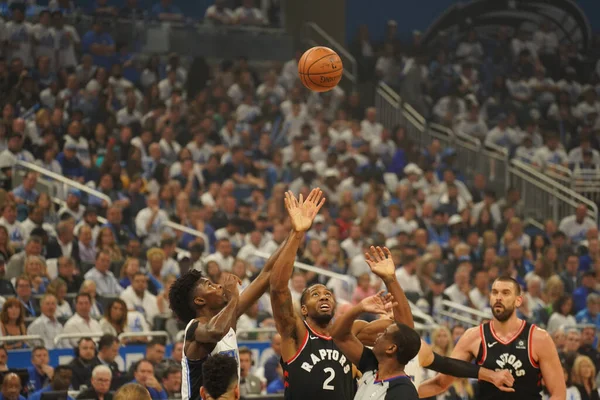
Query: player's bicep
[[549, 363], [201, 334], [288, 323]]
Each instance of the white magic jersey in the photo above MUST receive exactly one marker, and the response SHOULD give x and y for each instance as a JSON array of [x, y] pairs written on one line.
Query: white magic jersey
[[192, 369], [414, 371]]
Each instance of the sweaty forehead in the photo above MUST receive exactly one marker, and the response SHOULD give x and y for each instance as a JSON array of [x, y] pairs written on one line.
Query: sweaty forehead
[[503, 287], [318, 288]]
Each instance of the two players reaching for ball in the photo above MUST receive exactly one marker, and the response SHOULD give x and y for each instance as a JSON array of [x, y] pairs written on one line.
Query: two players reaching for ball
[[317, 356]]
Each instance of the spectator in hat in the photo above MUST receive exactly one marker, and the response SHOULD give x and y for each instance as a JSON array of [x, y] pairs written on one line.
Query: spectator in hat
[[70, 164], [90, 219]]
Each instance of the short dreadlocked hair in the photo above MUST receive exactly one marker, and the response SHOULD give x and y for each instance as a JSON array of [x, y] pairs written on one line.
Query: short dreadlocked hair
[[181, 294], [219, 374]]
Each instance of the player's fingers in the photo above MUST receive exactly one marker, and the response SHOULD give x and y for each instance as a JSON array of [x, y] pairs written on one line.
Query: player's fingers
[[380, 293], [375, 254], [388, 253], [321, 204], [381, 253], [506, 389], [301, 199]]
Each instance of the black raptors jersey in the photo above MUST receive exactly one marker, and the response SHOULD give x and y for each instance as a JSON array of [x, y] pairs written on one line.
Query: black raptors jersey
[[319, 370], [514, 356]]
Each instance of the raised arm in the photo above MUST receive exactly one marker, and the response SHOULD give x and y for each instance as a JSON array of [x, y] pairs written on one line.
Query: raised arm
[[341, 331], [260, 285], [549, 364], [219, 325], [381, 264], [288, 323]]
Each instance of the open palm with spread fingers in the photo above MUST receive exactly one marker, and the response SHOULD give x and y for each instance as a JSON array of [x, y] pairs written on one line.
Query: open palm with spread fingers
[[303, 212], [380, 261], [374, 304]]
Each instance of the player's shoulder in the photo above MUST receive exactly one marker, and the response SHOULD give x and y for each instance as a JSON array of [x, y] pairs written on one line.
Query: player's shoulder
[[540, 334]]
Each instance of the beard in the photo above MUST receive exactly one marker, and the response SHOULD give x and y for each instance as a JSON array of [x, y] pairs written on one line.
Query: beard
[[322, 319], [504, 314]]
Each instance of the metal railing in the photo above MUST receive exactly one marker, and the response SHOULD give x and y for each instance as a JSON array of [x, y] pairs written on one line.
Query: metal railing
[[20, 338], [69, 183], [126, 335], [544, 197], [314, 35], [66, 336]]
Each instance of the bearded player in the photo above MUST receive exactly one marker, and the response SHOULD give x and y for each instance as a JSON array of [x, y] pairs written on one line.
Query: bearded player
[[313, 365], [511, 343]]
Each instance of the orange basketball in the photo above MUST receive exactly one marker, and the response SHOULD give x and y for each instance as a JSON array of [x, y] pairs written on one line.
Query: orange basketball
[[320, 69]]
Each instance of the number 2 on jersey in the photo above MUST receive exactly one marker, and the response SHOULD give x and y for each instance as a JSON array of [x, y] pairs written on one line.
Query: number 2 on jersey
[[326, 385]]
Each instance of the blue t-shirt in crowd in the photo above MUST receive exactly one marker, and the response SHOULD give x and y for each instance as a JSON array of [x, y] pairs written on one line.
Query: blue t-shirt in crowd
[[36, 380]]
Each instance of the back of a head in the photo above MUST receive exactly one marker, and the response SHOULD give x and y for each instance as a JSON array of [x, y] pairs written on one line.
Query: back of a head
[[408, 342], [132, 391], [220, 376]]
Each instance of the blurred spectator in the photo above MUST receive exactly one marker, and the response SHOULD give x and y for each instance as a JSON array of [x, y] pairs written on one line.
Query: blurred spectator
[[249, 384], [12, 321], [82, 363], [218, 13], [40, 373], [46, 325], [561, 317], [100, 380], [164, 10], [144, 374], [108, 350], [81, 322], [11, 387], [106, 283], [171, 381], [247, 14], [138, 298], [61, 381]]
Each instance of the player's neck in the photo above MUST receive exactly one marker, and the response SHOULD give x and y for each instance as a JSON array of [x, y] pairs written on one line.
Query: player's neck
[[318, 328], [507, 328], [389, 369]]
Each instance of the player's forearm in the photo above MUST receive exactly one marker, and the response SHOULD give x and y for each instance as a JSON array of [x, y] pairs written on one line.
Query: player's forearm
[[342, 328], [402, 312], [271, 261], [434, 386], [284, 264], [218, 325]]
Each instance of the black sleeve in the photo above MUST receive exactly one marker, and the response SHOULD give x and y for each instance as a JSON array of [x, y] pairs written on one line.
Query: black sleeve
[[454, 367], [368, 361], [404, 392]]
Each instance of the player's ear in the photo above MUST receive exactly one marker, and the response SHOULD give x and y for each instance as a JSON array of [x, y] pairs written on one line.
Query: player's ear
[[199, 301], [519, 301], [236, 392], [391, 350], [304, 310], [202, 392]]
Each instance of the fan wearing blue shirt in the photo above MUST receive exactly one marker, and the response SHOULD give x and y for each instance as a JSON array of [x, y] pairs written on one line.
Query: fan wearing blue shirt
[[99, 44], [40, 373], [11, 387], [61, 381], [144, 375]]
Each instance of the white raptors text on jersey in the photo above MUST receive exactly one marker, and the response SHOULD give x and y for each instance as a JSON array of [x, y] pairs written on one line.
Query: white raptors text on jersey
[[326, 354], [511, 360]]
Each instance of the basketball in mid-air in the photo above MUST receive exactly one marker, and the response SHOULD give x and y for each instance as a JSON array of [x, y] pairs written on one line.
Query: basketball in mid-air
[[320, 69]]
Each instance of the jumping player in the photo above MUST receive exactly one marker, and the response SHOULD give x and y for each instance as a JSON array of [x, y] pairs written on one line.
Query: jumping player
[[211, 311], [511, 343]]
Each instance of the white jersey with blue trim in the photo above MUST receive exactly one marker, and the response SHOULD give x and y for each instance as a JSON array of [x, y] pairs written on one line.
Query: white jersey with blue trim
[[192, 369], [414, 371]]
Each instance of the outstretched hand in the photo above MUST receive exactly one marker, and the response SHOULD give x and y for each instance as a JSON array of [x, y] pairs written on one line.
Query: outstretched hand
[[380, 261], [375, 304], [303, 212]]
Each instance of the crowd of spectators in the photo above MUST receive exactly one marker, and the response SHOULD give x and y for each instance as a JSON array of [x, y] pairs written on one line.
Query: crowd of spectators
[[213, 149], [521, 89]]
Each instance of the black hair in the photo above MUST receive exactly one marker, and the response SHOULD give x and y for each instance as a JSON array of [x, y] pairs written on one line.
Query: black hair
[[83, 295], [107, 341], [305, 292], [511, 280], [181, 294], [219, 373], [558, 304], [173, 369], [408, 342], [156, 341], [36, 348]]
